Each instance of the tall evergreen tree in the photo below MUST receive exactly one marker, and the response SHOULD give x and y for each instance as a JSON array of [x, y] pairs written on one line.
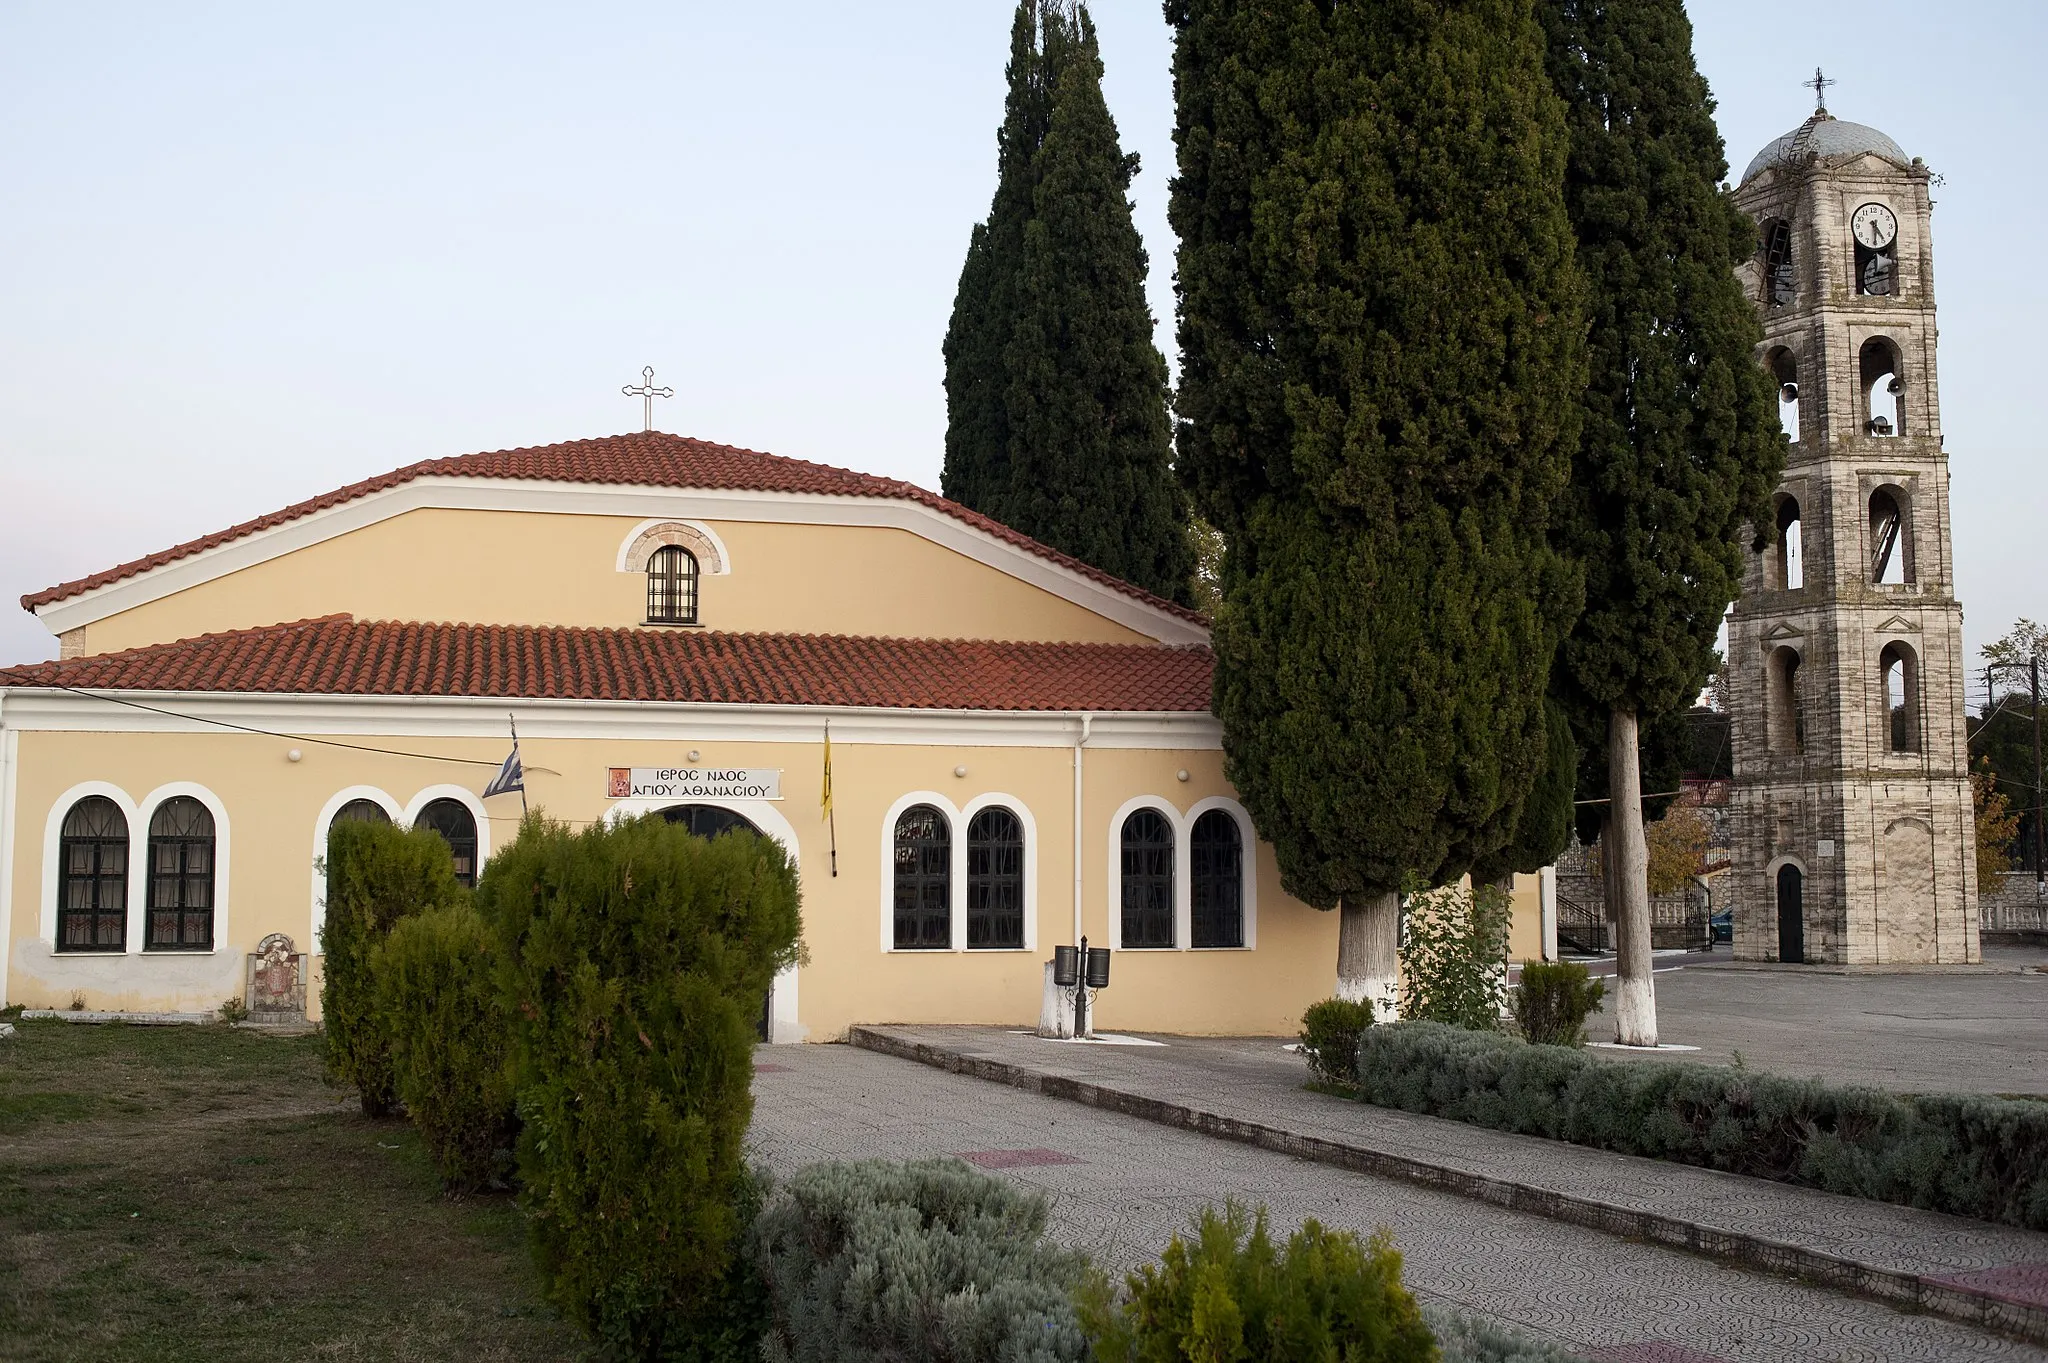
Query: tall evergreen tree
[[1381, 354], [1057, 397], [1680, 444]]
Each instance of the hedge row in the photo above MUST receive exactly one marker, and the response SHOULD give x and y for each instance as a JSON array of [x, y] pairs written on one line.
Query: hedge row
[[1963, 1154]]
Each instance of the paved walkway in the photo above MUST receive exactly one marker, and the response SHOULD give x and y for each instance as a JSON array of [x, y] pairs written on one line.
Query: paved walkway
[[1915, 1033], [1121, 1186], [1947, 1264]]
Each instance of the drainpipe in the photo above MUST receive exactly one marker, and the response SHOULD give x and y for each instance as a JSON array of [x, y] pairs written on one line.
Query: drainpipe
[[1080, 742]]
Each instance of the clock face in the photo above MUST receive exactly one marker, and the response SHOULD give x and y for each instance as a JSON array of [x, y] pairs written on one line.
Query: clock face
[[1874, 226]]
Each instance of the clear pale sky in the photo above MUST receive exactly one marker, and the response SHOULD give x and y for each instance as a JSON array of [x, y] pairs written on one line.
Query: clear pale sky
[[250, 253]]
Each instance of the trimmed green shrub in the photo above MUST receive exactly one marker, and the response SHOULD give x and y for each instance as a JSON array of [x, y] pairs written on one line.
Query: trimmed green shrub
[[1329, 1038], [876, 1261], [1454, 956], [1552, 1001], [376, 874], [439, 1006], [636, 958], [1466, 1339], [1228, 1294], [1957, 1153]]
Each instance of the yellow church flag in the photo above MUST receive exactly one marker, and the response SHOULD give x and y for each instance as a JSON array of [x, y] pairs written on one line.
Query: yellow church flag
[[825, 799], [825, 795]]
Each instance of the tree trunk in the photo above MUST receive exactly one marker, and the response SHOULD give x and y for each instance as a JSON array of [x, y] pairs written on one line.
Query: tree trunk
[[1367, 965], [1625, 871]]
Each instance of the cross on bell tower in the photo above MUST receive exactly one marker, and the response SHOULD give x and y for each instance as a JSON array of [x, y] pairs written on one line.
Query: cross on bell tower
[[1854, 830], [1819, 85]]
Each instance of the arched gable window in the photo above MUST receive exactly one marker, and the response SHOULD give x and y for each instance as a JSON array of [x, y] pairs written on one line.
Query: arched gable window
[[361, 811], [1147, 880], [1216, 850], [457, 827], [181, 877], [92, 892], [995, 879], [1884, 387], [672, 586], [923, 880]]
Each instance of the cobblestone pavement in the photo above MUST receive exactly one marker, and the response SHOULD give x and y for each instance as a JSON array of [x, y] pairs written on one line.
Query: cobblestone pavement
[[1913, 1033], [1127, 1185]]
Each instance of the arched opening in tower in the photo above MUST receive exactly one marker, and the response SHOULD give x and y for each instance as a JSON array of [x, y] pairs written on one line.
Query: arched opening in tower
[[1891, 538], [1788, 558], [1900, 670], [1884, 388], [1785, 369]]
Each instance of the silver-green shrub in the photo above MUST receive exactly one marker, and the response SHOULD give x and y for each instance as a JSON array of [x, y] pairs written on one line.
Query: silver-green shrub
[[1467, 1339], [1958, 1153], [876, 1261]]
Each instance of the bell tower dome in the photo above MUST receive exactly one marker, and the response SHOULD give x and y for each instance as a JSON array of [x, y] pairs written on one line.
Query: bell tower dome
[[1855, 833]]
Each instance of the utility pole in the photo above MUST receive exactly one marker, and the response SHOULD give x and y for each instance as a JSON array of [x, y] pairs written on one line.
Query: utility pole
[[2040, 869]]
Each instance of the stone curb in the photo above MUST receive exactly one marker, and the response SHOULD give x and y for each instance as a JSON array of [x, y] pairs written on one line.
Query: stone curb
[[1970, 1305]]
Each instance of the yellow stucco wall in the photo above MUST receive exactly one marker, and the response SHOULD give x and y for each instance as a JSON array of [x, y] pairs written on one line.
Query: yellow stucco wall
[[535, 568], [273, 807]]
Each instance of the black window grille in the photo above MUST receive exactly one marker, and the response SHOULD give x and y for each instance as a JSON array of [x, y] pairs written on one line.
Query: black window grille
[[1216, 873], [923, 880], [457, 827], [1147, 880], [672, 586], [361, 811], [708, 821], [995, 879], [92, 893], [181, 877]]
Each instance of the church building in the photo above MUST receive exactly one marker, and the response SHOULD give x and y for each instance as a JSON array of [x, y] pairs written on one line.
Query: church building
[[1021, 746]]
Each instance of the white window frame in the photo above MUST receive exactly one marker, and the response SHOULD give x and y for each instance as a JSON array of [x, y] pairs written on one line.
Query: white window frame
[[1183, 870], [957, 817], [138, 898], [324, 821], [53, 866]]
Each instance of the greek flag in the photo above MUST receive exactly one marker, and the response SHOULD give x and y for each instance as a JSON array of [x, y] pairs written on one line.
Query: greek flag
[[511, 776]]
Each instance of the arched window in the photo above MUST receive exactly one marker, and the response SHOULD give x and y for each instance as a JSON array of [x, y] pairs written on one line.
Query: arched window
[[1784, 724], [361, 811], [672, 586], [92, 892], [1785, 368], [1891, 538], [995, 879], [1900, 671], [923, 880], [1217, 865], [708, 821], [1780, 285], [457, 827], [180, 877], [1147, 879], [1884, 388], [1788, 560]]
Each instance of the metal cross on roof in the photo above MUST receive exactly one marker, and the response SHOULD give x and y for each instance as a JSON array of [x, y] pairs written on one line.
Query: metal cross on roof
[[647, 392], [1819, 85]]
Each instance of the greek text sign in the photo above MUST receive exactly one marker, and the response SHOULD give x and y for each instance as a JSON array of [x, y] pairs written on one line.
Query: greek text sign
[[695, 783]]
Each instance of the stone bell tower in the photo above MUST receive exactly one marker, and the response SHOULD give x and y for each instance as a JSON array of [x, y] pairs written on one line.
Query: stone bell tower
[[1854, 833]]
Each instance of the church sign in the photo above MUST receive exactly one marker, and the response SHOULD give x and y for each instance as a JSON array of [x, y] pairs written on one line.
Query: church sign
[[695, 783]]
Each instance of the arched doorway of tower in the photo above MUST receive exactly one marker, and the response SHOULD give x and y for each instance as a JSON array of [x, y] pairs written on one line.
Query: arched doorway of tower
[[708, 821], [1791, 914]]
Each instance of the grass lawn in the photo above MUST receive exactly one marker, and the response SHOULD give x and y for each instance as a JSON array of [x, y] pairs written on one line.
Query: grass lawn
[[197, 1193]]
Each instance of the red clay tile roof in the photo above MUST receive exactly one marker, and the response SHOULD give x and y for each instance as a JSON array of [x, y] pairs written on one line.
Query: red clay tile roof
[[338, 655], [643, 459]]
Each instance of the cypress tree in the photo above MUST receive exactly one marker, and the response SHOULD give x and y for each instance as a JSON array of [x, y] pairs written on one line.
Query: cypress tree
[[1381, 354], [1057, 397], [1680, 443]]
